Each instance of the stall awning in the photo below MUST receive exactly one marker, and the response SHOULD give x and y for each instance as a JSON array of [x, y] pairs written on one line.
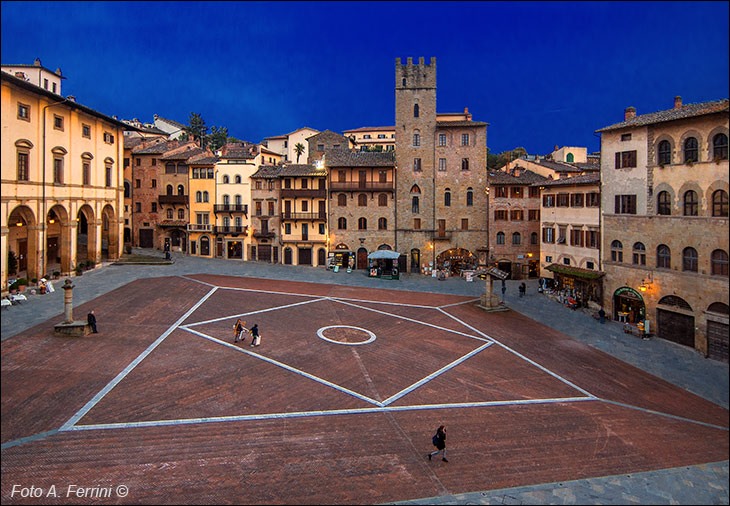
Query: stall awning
[[577, 272], [384, 254]]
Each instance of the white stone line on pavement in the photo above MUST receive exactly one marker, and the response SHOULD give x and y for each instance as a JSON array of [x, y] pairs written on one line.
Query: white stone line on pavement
[[433, 375], [197, 280], [341, 301], [100, 395], [660, 413], [545, 369], [252, 312], [381, 302], [458, 303], [300, 414], [287, 367]]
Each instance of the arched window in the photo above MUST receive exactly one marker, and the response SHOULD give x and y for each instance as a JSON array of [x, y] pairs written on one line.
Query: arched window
[[617, 251], [719, 263], [382, 224], [238, 179], [226, 200], [516, 238], [664, 203], [639, 256], [205, 196], [127, 190], [169, 168], [689, 260], [342, 224], [415, 107], [469, 197], [180, 189], [226, 180], [362, 224], [719, 147], [500, 237], [342, 200], [382, 200], [169, 214], [663, 257], [690, 203], [181, 214], [447, 197], [417, 138], [198, 196], [238, 200], [362, 200], [664, 153], [570, 158], [690, 150], [719, 203], [169, 189], [533, 238]]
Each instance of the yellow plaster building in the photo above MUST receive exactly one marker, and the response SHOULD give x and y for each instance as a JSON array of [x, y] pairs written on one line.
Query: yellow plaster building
[[62, 182]]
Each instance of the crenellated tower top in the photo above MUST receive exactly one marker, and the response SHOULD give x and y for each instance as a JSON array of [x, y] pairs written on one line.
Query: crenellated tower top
[[415, 76]]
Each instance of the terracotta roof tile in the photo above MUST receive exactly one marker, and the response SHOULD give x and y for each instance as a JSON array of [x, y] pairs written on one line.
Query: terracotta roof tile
[[347, 158], [593, 178], [685, 111], [526, 177]]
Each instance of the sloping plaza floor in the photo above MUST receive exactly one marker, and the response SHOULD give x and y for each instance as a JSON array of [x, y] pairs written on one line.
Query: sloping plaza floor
[[337, 406]]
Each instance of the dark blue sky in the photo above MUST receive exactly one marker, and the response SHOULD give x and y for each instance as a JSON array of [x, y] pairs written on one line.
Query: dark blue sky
[[541, 73]]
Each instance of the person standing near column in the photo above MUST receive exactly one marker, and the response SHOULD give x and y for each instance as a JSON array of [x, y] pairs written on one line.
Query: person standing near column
[[91, 320]]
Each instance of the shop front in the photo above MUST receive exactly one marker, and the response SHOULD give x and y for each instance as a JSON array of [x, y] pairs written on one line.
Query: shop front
[[456, 260], [582, 285], [341, 258], [628, 306]]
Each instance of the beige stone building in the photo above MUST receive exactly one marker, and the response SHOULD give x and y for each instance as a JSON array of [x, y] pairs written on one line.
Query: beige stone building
[[441, 177], [664, 200], [62, 180], [361, 204], [372, 138], [570, 219], [285, 145], [514, 227]]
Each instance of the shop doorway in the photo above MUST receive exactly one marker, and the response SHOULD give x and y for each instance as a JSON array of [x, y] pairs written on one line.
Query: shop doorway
[[265, 253], [456, 260], [362, 258], [628, 306], [673, 321]]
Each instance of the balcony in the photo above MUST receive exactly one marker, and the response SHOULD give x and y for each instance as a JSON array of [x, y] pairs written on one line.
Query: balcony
[[173, 199], [231, 230], [263, 234], [200, 227], [442, 235], [231, 208], [304, 216], [290, 193], [362, 186]]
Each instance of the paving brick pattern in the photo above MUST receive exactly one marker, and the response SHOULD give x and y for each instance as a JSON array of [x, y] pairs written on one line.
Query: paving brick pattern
[[360, 457]]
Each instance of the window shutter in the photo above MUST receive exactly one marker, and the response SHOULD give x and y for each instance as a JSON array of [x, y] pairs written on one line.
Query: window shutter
[[617, 204], [618, 160]]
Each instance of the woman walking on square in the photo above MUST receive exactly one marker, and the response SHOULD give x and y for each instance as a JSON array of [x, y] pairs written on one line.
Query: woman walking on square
[[238, 330], [439, 441], [255, 335]]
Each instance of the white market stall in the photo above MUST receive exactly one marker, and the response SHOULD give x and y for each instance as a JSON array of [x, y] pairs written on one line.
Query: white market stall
[[384, 264]]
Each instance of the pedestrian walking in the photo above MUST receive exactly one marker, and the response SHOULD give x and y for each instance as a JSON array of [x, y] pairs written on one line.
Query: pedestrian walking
[[255, 335], [523, 289], [91, 320], [238, 330], [439, 441], [602, 315], [504, 289]]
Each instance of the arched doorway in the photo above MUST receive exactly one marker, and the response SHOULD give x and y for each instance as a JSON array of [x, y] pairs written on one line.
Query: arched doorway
[[321, 257], [178, 240], [362, 258], [58, 240], [23, 242], [628, 305], [109, 234], [456, 260], [287, 256], [85, 235], [205, 246], [415, 261], [675, 321]]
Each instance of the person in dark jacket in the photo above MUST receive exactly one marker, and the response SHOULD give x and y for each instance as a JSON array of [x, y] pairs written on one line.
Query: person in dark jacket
[[91, 319], [256, 337], [439, 441]]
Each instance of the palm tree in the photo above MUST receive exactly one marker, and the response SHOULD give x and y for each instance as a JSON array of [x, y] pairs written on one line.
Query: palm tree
[[299, 149]]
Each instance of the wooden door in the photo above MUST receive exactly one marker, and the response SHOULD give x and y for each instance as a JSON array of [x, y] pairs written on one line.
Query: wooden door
[[305, 256], [22, 254], [676, 327], [305, 231], [717, 341], [287, 209], [363, 179], [362, 259], [322, 210]]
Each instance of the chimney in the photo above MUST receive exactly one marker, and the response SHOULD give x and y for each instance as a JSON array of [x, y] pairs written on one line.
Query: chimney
[[73, 99], [629, 113], [58, 71], [37, 62], [677, 102]]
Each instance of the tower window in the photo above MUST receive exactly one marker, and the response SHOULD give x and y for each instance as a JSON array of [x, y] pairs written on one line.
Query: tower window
[[415, 110]]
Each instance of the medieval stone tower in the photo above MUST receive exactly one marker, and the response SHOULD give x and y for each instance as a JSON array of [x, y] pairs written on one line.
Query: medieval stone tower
[[415, 128]]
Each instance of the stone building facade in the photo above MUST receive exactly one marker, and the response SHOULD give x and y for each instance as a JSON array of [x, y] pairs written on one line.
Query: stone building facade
[[664, 179], [265, 215], [441, 177], [514, 229], [323, 142], [361, 215]]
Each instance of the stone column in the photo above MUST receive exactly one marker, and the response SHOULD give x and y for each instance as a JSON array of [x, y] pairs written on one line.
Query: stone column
[[68, 287]]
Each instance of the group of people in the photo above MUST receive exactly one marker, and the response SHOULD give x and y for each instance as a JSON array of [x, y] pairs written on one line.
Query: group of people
[[239, 329]]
